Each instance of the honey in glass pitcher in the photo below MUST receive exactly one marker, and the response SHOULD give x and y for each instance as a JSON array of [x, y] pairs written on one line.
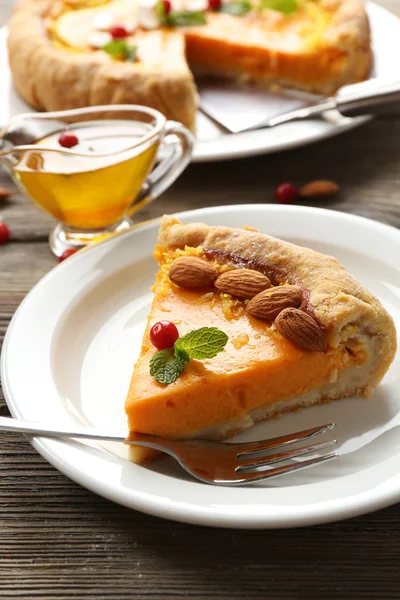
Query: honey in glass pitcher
[[94, 186]]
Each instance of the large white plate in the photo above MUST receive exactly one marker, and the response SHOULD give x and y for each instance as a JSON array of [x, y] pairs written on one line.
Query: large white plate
[[69, 352], [213, 145]]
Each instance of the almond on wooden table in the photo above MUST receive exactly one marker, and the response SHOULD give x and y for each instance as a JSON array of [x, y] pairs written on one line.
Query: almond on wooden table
[[242, 283], [268, 304], [320, 188], [302, 330], [192, 273], [4, 193]]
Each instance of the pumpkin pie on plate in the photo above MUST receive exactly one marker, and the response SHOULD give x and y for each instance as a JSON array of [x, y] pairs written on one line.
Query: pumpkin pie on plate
[[71, 53], [264, 327]]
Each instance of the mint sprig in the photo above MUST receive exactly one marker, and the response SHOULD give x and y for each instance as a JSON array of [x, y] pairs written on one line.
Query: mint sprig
[[160, 8], [121, 49], [185, 18], [180, 18], [167, 365], [202, 343], [287, 7], [236, 8]]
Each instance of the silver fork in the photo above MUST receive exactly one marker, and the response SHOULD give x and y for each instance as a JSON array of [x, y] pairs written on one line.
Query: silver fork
[[215, 463]]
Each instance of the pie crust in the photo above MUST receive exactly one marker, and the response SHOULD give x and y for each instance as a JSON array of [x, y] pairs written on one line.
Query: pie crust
[[360, 333], [50, 77]]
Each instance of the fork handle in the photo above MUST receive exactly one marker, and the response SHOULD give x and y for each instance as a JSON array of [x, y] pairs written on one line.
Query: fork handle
[[111, 435], [88, 433]]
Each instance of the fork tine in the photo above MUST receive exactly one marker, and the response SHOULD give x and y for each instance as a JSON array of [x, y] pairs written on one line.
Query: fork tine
[[251, 448], [275, 458], [276, 472]]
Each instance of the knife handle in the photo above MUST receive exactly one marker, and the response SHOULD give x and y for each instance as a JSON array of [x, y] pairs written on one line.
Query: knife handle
[[373, 97]]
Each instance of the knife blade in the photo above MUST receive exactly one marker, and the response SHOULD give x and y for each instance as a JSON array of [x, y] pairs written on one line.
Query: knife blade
[[238, 108]]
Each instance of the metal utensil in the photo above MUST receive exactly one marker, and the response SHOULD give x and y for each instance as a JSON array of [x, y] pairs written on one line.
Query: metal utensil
[[215, 463], [239, 109]]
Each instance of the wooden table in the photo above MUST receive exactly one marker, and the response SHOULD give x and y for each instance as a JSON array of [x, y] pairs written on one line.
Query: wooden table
[[58, 540]]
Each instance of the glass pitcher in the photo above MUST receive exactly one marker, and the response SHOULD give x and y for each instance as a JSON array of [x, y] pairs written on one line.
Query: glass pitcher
[[92, 168]]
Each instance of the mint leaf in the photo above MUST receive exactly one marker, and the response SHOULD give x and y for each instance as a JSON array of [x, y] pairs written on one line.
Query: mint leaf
[[241, 7], [206, 342], [181, 354], [121, 49], [185, 18], [160, 8], [287, 7], [180, 18], [165, 367], [130, 53]]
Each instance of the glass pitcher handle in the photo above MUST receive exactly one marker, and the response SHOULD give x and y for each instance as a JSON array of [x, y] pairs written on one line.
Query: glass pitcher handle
[[181, 141]]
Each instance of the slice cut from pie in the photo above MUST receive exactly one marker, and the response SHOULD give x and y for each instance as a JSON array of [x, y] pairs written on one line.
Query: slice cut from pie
[[300, 331]]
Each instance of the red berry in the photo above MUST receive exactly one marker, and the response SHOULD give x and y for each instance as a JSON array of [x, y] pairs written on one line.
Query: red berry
[[214, 5], [66, 254], [119, 32], [164, 335], [286, 193], [167, 6], [4, 233], [68, 140]]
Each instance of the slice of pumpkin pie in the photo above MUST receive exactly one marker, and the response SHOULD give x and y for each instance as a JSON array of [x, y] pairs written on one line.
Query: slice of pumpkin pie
[[244, 326]]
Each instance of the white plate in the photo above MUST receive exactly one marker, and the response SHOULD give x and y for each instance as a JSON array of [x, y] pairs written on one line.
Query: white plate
[[69, 352], [213, 145]]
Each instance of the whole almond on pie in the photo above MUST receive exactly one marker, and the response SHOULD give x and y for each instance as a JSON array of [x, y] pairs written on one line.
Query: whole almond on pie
[[268, 304], [242, 283], [301, 329], [192, 273], [320, 188]]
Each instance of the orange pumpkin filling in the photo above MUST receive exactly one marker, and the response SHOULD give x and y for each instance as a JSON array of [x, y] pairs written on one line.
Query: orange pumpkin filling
[[257, 368]]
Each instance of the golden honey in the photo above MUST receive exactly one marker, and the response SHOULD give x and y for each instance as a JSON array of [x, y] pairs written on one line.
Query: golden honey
[[96, 190]]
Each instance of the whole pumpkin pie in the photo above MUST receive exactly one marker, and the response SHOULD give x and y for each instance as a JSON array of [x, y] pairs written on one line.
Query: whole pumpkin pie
[[287, 328], [71, 53]]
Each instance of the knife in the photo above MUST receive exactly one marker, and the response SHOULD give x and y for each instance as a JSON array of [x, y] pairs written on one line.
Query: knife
[[239, 109]]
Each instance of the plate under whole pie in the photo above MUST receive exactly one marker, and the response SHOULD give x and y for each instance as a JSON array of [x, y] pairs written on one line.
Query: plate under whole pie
[[63, 55]]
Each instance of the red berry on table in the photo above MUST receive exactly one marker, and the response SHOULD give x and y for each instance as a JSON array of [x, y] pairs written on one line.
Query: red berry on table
[[68, 140], [214, 5], [286, 193], [119, 32], [167, 6], [66, 254], [4, 233], [164, 335]]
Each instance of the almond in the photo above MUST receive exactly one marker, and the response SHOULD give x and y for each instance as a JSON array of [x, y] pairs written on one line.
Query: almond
[[242, 283], [270, 303], [192, 273], [301, 329], [321, 188], [4, 193]]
